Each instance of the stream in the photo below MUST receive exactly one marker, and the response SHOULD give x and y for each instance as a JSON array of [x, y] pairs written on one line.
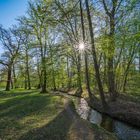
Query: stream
[[122, 130]]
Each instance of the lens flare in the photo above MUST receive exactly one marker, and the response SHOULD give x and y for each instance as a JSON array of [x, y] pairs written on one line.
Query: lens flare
[[81, 46]]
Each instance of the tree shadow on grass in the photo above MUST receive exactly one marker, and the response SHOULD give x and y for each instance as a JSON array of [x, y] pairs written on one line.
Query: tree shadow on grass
[[57, 129], [15, 110], [4, 94], [23, 106]]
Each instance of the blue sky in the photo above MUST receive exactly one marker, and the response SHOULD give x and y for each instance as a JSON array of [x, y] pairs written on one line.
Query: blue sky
[[10, 10]]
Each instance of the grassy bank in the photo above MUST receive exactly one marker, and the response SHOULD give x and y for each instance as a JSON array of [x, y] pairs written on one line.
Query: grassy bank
[[22, 112]]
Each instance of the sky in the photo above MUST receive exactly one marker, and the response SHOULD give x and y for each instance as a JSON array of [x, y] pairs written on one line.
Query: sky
[[10, 10]]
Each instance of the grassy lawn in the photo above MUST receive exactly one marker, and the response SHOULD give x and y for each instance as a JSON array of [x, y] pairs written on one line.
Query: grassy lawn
[[31, 115]]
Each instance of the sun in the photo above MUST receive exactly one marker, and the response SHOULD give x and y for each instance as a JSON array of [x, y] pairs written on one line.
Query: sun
[[81, 46]]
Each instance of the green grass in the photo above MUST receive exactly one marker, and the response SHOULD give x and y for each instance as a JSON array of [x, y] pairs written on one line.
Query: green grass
[[31, 115]]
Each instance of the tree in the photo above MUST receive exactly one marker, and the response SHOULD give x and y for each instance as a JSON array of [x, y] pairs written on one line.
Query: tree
[[85, 53], [96, 66], [11, 41]]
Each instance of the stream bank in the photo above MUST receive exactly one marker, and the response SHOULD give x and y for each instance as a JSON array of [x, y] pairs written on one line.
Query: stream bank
[[82, 129], [124, 131], [123, 110]]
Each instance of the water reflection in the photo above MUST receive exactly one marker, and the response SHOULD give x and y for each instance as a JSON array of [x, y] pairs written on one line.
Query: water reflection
[[122, 130], [83, 109], [95, 117], [125, 132], [107, 123]]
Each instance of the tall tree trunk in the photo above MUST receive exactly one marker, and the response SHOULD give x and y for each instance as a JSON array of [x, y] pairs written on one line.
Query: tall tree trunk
[[53, 73], [54, 83], [105, 71], [68, 74], [125, 82], [111, 49], [43, 66], [25, 82], [44, 76], [79, 74], [9, 78], [85, 53], [27, 70], [14, 77], [94, 57], [28, 77], [39, 73], [12, 84], [44, 88], [44, 49], [128, 67], [43, 81]]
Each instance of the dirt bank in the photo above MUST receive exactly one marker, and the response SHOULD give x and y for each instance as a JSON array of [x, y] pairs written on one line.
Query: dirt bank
[[122, 109]]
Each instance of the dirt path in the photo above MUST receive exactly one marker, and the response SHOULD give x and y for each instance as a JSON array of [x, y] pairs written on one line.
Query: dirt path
[[80, 129]]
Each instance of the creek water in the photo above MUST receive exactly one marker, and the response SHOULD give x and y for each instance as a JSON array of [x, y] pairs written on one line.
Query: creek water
[[122, 130]]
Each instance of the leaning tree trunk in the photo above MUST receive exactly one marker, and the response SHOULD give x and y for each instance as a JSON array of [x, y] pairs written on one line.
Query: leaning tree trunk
[[94, 57]]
